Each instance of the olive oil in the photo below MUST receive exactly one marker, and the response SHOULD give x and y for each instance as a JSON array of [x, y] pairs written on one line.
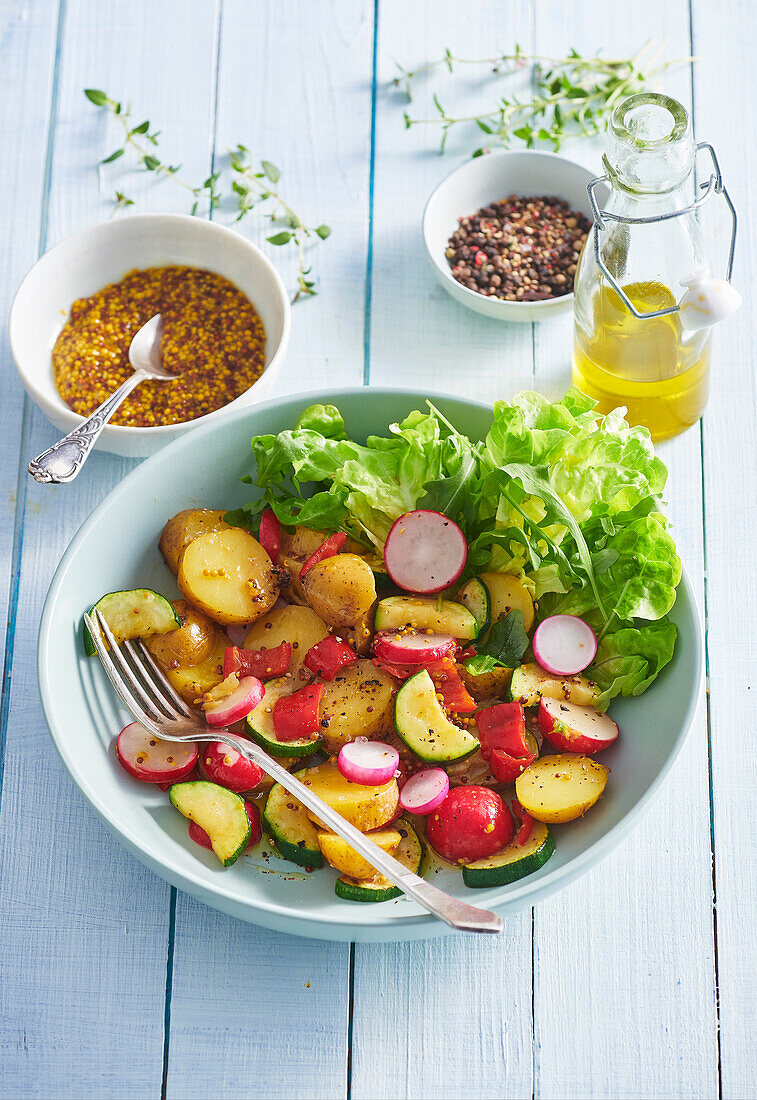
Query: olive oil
[[650, 366]]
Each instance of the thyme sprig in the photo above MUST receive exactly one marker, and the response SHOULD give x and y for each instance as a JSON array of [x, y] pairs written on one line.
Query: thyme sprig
[[572, 95], [253, 188]]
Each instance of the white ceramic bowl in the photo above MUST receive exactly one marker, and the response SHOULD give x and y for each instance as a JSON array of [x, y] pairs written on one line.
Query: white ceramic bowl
[[101, 254], [482, 181]]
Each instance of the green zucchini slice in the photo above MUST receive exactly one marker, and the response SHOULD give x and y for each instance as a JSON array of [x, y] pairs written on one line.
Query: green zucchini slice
[[291, 830], [259, 723], [394, 612], [425, 728], [513, 862], [220, 812], [475, 596], [409, 853], [136, 613]]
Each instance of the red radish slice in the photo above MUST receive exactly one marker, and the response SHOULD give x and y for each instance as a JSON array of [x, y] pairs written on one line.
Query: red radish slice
[[571, 728], [413, 649], [199, 836], [425, 551], [152, 760], [369, 763], [564, 645], [424, 791], [237, 705], [226, 766]]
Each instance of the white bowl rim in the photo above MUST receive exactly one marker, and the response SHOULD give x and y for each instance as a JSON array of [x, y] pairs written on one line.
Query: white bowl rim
[[518, 897], [43, 401], [444, 270]]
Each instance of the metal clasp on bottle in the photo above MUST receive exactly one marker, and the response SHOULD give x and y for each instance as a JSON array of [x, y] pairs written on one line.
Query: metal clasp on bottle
[[713, 185]]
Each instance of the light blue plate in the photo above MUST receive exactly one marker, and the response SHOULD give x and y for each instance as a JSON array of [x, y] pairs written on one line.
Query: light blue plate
[[117, 548]]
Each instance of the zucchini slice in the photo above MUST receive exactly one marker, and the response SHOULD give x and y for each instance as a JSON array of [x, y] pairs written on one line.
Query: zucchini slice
[[424, 613], [475, 596], [259, 723], [136, 613], [530, 682], [220, 812], [513, 862], [424, 727], [291, 830], [409, 854]]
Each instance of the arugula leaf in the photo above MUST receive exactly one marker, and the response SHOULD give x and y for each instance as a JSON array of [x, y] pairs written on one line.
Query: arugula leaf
[[504, 647]]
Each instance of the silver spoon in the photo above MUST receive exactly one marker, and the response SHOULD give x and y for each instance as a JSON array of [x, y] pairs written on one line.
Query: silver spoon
[[63, 461]]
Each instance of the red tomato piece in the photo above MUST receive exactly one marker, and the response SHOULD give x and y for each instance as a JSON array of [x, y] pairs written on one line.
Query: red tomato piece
[[261, 663], [451, 688], [471, 823], [227, 767], [328, 548], [296, 717], [506, 768], [269, 535], [502, 727], [328, 656], [526, 822]]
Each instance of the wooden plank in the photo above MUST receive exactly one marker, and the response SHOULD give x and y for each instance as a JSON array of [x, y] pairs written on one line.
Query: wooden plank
[[450, 1017], [612, 951], [725, 114], [313, 122], [28, 34], [85, 927]]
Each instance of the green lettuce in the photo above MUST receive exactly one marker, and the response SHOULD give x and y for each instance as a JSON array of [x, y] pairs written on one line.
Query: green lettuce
[[565, 499]]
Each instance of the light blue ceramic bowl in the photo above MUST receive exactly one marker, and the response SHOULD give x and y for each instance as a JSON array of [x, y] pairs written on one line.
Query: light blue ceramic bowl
[[117, 548]]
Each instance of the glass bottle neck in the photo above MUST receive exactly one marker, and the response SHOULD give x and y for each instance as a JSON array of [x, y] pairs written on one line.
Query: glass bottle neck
[[650, 149]]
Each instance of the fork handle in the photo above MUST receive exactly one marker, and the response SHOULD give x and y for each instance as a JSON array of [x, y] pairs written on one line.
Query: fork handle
[[454, 912], [62, 462]]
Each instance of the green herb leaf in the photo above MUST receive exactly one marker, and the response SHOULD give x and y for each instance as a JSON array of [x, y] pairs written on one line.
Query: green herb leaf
[[94, 95], [271, 171], [280, 238], [150, 163], [323, 231], [142, 128], [113, 156]]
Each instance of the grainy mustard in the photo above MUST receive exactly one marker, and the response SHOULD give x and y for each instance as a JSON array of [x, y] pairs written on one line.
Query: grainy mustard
[[212, 338]]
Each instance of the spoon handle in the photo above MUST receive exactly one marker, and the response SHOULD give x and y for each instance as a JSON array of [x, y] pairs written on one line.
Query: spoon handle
[[62, 462]]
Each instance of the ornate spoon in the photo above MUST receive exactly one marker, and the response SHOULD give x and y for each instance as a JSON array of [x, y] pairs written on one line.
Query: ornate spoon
[[63, 461]]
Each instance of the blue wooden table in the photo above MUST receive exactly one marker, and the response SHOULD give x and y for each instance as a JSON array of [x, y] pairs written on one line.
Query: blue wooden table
[[636, 981]]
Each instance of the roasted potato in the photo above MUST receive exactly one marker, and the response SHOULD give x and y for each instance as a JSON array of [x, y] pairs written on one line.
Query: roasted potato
[[364, 807], [193, 681], [300, 626], [305, 541], [561, 788], [361, 635], [359, 702], [486, 685], [183, 528], [507, 593], [229, 576], [191, 644], [340, 589], [348, 861]]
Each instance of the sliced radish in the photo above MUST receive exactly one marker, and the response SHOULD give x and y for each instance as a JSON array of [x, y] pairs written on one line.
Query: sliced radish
[[152, 760], [413, 649], [199, 836], [238, 704], [564, 645], [226, 766], [424, 791], [425, 551], [572, 728], [369, 763]]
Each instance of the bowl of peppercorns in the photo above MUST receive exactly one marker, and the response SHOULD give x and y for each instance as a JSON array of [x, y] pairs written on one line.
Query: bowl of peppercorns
[[504, 233]]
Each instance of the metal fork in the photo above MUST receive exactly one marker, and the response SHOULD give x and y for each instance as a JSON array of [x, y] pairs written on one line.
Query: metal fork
[[153, 701]]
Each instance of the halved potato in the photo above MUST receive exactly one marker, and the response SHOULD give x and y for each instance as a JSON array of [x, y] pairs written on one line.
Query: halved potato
[[340, 589], [183, 528], [348, 861], [507, 593], [364, 807], [359, 702], [300, 626], [561, 788], [304, 541], [192, 681], [486, 685], [229, 576], [191, 644]]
